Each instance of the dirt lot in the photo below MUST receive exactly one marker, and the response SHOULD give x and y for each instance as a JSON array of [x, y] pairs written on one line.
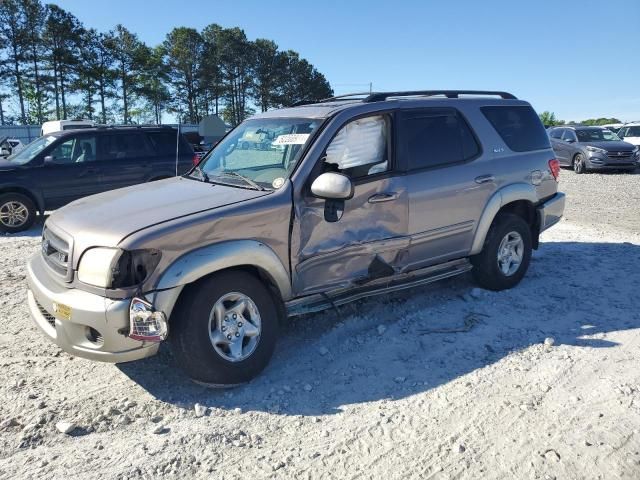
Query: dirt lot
[[375, 390]]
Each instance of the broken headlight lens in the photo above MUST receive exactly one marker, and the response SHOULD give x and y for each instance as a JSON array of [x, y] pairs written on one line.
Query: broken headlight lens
[[116, 268]]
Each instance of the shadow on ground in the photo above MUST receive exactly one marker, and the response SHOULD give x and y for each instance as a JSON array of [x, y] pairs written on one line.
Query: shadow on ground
[[576, 293]]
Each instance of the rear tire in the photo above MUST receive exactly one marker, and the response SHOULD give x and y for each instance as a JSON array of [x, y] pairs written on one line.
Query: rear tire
[[17, 212], [200, 329], [506, 254]]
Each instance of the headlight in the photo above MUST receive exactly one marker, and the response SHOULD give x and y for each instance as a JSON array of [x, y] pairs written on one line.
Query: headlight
[[96, 266], [596, 150], [116, 268]]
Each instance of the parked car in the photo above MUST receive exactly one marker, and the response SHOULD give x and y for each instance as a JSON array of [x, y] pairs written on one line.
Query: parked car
[[356, 197], [9, 146], [592, 148], [614, 127], [54, 126], [630, 133], [61, 167]]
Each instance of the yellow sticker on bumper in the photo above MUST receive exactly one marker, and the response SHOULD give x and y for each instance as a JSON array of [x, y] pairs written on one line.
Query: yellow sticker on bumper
[[61, 311]]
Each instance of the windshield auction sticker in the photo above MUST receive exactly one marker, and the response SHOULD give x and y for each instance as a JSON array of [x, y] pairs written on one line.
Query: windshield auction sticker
[[291, 139]]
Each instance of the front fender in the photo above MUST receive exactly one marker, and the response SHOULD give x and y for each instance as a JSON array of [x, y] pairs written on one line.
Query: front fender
[[508, 194], [210, 259]]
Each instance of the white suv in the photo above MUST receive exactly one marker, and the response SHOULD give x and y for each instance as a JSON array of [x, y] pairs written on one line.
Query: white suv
[[630, 133]]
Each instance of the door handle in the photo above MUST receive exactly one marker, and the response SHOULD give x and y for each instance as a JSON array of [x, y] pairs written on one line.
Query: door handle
[[383, 197], [485, 179]]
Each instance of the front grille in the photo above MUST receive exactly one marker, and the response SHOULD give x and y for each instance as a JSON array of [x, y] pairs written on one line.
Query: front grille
[[51, 320], [619, 155], [55, 251]]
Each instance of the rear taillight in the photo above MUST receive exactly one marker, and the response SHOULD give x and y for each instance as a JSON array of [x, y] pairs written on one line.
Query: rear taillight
[[196, 159], [554, 166]]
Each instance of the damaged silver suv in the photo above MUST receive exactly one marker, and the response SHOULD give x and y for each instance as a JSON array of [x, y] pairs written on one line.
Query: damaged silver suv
[[294, 211]]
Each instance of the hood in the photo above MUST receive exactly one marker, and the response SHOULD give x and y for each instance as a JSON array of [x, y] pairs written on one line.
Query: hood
[[107, 218], [611, 146]]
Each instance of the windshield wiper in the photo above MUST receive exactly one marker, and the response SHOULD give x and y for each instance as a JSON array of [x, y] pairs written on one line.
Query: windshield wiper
[[247, 180]]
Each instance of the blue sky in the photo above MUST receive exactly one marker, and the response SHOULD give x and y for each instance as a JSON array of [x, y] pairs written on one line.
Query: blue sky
[[577, 58]]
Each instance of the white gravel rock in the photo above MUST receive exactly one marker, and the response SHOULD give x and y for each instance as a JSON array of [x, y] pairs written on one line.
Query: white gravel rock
[[65, 427], [200, 410]]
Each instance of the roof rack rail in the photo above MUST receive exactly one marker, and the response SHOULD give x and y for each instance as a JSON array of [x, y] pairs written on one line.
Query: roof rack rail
[[336, 98], [381, 96]]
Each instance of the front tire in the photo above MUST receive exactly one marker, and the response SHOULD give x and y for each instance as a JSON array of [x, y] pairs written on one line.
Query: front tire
[[578, 164], [224, 330], [506, 254], [17, 212]]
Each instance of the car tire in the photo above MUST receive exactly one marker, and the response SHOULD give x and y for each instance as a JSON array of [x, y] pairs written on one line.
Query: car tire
[[17, 212], [578, 164], [198, 329], [508, 243]]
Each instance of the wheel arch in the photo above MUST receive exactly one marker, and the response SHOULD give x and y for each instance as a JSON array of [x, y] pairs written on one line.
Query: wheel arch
[[248, 255], [33, 196], [520, 199]]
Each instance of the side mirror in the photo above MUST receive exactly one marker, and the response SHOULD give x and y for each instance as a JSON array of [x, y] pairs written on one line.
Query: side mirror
[[48, 159], [332, 185]]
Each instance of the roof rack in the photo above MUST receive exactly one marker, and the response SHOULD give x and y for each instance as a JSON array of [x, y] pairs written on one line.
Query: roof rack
[[368, 97], [102, 126], [381, 96]]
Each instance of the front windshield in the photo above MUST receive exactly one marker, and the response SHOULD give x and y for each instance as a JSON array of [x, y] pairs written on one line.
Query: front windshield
[[30, 151], [596, 135], [263, 151]]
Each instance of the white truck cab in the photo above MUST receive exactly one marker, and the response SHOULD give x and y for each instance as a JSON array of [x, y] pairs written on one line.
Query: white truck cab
[[630, 133], [60, 125]]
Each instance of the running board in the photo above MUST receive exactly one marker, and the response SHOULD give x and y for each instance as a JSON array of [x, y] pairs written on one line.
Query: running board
[[323, 301]]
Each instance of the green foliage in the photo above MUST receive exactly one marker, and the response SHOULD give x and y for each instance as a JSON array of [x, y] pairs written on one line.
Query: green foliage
[[549, 119], [600, 121], [59, 69]]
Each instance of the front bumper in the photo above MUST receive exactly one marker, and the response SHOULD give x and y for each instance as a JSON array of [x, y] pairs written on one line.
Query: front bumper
[[550, 212], [95, 329], [599, 161]]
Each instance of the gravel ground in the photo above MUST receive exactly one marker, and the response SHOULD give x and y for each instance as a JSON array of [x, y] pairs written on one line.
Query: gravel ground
[[442, 382]]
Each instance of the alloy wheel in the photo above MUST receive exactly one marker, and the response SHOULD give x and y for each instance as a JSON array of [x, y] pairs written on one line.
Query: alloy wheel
[[234, 326], [13, 214], [510, 253]]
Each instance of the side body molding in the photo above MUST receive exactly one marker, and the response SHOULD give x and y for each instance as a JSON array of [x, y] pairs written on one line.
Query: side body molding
[[210, 259], [508, 194]]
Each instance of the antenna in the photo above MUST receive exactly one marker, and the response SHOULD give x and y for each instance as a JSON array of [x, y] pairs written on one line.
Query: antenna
[[177, 145]]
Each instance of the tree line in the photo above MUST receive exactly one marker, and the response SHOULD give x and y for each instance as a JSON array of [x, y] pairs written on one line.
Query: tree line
[[52, 67], [549, 119]]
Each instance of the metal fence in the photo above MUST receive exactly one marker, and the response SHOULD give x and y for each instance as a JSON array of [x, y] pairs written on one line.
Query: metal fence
[[24, 133]]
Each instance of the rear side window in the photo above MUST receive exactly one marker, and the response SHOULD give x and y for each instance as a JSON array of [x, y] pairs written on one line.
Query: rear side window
[[436, 137], [519, 127], [557, 133], [164, 142], [127, 145]]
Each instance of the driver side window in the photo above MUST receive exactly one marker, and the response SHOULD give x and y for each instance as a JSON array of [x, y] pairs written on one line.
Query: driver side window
[[360, 148]]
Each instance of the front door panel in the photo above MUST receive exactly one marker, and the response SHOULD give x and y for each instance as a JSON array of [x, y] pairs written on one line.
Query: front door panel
[[367, 241]]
